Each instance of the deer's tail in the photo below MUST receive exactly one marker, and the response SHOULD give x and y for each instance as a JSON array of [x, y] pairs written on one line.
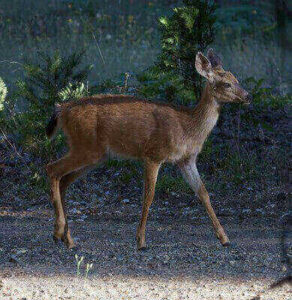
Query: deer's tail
[[53, 124]]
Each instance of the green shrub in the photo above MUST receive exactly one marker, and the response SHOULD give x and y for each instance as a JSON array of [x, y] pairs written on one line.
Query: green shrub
[[190, 29], [264, 96], [3, 94], [53, 79]]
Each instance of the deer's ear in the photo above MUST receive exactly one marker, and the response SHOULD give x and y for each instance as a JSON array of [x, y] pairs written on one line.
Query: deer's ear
[[204, 67], [215, 60]]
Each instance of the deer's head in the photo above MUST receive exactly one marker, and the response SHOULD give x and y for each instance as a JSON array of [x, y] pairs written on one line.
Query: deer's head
[[224, 86]]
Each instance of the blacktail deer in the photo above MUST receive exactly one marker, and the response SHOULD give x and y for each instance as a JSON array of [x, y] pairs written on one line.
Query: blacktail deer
[[154, 133]]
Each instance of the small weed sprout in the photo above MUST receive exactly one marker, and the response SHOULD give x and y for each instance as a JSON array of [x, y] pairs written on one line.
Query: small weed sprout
[[88, 268], [79, 262], [127, 75]]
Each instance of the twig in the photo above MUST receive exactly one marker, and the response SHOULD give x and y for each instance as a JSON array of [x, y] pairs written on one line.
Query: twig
[[127, 75], [14, 149], [99, 50], [10, 62], [238, 131]]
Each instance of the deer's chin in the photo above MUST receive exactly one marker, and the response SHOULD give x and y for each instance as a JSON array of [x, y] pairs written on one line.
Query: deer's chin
[[245, 102], [242, 101]]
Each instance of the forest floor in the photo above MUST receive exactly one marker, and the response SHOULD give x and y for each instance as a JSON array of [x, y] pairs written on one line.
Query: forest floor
[[184, 260]]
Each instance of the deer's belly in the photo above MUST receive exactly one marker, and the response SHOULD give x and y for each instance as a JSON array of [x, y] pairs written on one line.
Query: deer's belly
[[184, 152]]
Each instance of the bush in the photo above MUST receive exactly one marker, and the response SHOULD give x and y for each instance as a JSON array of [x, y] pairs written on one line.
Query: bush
[[190, 29], [54, 79], [264, 96], [3, 94]]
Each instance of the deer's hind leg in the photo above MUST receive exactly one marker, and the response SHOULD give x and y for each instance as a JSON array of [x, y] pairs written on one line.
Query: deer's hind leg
[[73, 165], [64, 184]]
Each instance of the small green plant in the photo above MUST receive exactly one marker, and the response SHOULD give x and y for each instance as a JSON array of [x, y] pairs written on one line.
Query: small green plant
[[118, 85], [167, 183], [190, 29], [73, 92], [126, 177], [79, 261], [88, 268]]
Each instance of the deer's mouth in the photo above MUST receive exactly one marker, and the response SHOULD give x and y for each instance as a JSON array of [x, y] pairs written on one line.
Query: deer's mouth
[[247, 100], [244, 101]]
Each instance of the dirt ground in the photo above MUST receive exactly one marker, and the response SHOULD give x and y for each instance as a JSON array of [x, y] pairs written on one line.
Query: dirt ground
[[183, 260]]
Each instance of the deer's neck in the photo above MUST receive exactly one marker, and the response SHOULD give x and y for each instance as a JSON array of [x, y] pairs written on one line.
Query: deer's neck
[[205, 116]]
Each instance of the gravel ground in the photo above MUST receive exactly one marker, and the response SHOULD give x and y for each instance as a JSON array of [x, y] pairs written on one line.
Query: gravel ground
[[184, 260]]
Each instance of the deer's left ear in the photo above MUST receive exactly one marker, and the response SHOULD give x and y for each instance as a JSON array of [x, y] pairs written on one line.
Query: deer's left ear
[[204, 67]]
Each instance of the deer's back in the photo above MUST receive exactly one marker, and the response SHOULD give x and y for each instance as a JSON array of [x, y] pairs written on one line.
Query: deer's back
[[125, 125]]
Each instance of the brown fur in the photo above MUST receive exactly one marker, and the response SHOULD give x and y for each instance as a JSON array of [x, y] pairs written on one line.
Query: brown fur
[[106, 125]]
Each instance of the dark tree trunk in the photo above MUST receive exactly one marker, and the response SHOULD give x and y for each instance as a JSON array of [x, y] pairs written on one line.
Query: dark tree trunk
[[281, 11]]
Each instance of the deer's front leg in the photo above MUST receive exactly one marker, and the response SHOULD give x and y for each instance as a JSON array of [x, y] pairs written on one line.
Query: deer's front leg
[[150, 177], [191, 175]]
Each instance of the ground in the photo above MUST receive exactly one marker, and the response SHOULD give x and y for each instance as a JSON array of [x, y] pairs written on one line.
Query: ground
[[183, 260], [246, 174]]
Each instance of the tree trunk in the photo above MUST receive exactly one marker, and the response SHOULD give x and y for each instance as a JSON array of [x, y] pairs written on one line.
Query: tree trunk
[[281, 11]]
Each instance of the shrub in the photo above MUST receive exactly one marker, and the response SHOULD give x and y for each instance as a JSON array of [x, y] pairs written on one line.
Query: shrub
[[264, 96], [190, 29], [3, 94], [54, 79]]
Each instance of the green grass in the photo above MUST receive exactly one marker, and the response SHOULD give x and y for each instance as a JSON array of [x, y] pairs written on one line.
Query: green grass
[[166, 183], [119, 37], [133, 170]]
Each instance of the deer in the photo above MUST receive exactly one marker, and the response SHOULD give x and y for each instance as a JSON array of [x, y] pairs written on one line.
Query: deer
[[104, 125]]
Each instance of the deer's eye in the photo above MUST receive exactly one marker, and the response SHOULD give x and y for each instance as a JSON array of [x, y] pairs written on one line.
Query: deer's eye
[[227, 85]]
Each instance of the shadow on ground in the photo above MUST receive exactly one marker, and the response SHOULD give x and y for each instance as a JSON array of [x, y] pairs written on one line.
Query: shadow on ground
[[174, 248]]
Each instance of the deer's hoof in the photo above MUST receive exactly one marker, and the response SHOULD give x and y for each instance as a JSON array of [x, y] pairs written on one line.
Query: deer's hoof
[[68, 241], [56, 239], [225, 241], [142, 248], [70, 245], [141, 245]]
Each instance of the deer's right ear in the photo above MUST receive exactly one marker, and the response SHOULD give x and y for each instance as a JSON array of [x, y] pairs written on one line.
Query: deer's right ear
[[204, 67], [215, 60]]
